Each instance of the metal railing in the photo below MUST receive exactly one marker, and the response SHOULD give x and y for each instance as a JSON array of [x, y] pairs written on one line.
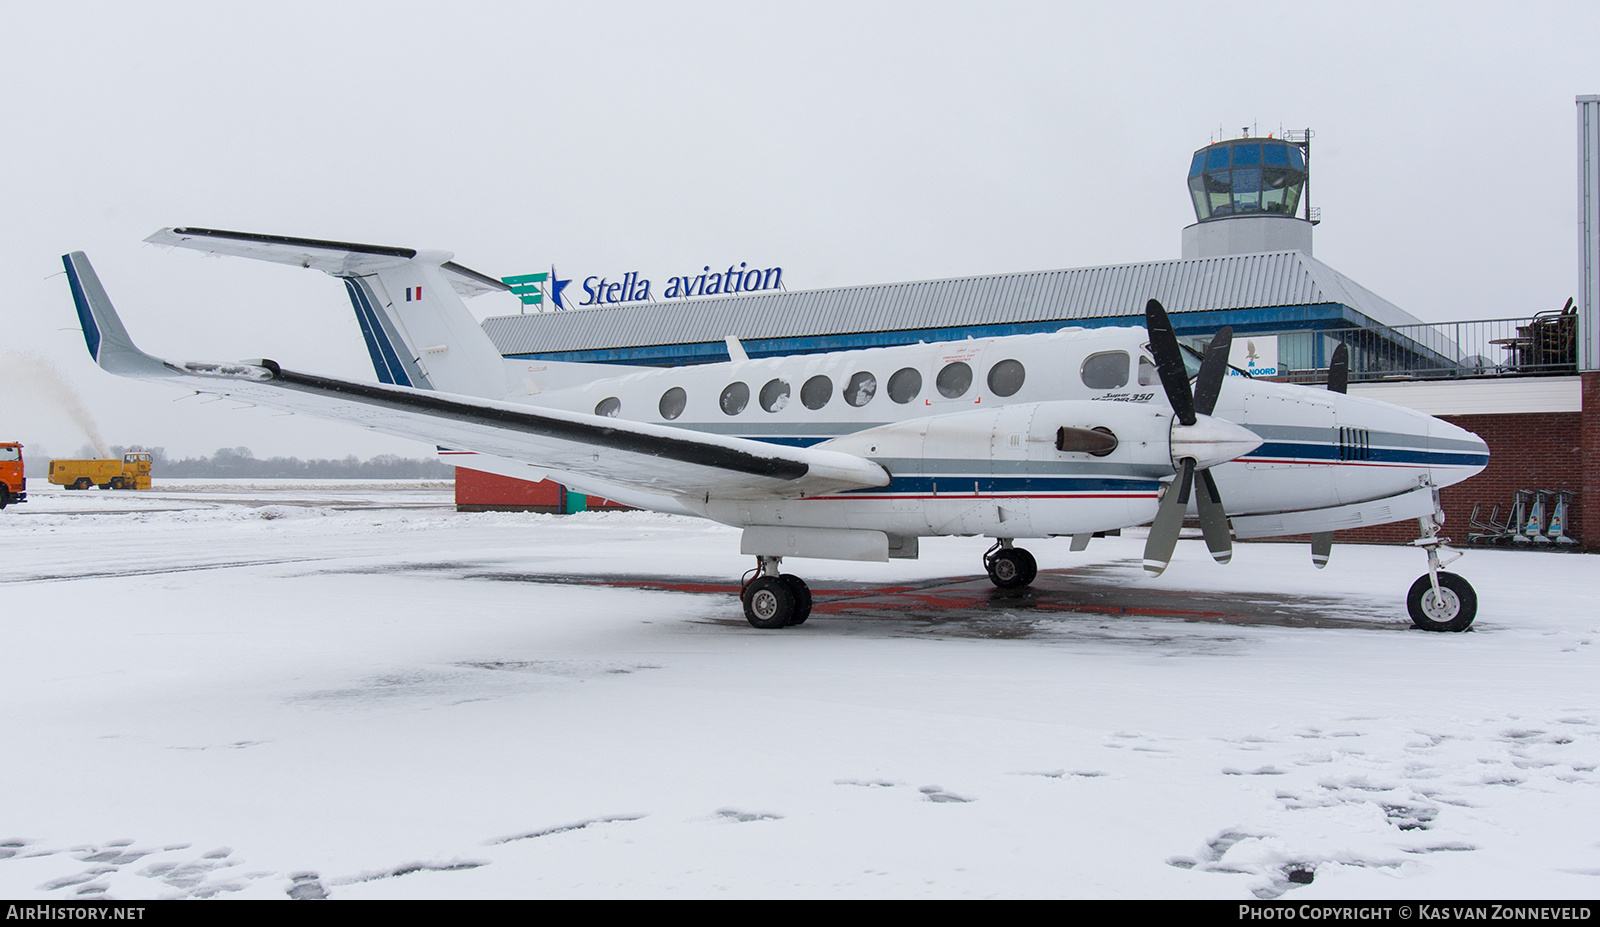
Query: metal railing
[[1545, 344]]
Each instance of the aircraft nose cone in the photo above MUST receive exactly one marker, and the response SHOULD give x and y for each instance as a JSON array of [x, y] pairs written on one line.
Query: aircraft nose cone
[[1211, 441], [1457, 452]]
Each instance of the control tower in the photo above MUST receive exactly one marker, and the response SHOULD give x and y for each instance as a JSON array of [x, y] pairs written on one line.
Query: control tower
[[1246, 192]]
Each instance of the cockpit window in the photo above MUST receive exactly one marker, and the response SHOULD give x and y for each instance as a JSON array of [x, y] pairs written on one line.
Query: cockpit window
[[1105, 370]]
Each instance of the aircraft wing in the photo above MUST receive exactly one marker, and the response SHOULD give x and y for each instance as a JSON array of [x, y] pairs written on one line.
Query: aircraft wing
[[579, 448]]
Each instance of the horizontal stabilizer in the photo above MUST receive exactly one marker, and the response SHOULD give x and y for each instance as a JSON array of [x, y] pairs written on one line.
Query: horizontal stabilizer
[[652, 459], [339, 258]]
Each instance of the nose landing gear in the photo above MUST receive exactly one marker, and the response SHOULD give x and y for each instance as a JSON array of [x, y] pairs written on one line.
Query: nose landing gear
[[1440, 601]]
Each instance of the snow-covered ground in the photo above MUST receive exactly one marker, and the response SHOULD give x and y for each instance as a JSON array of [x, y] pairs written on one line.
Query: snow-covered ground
[[350, 690]]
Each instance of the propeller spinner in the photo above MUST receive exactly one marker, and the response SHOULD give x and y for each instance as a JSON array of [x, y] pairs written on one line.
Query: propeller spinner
[[1199, 442]]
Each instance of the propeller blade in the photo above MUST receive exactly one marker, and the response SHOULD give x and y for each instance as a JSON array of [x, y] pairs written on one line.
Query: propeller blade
[[1169, 521], [1213, 518], [1169, 361], [1213, 370], [1321, 547], [1339, 370]]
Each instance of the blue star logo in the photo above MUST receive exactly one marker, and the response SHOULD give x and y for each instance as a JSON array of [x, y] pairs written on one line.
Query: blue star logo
[[556, 286]]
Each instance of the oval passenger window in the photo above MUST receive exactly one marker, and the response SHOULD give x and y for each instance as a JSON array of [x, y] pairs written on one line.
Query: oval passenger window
[[609, 407], [672, 403], [954, 380], [1106, 370], [816, 393], [775, 395], [1006, 377], [905, 385], [734, 398], [863, 386]]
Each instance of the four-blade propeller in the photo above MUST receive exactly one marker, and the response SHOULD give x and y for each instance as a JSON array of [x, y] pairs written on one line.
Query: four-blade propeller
[[1199, 442]]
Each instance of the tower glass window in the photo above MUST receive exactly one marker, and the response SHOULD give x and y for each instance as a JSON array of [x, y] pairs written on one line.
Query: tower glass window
[[1247, 176]]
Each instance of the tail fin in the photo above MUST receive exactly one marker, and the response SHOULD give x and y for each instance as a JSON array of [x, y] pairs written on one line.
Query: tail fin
[[108, 340], [408, 303]]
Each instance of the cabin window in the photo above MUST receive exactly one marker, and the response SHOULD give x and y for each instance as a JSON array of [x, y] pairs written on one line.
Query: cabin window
[[672, 403], [954, 380], [609, 407], [862, 387], [1006, 377], [775, 395], [734, 398], [10, 453], [905, 385], [1106, 370], [1147, 371], [816, 393]]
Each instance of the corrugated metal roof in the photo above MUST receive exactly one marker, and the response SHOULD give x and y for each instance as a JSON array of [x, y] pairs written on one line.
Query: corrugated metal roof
[[1242, 281]]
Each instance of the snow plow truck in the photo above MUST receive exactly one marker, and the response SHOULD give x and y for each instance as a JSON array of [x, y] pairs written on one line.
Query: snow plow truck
[[131, 472]]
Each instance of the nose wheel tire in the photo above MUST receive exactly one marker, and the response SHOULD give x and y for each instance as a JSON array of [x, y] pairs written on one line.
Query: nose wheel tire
[[1452, 609], [1011, 568]]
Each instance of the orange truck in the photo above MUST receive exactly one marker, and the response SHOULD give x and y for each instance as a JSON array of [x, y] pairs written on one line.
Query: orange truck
[[131, 472], [12, 488]]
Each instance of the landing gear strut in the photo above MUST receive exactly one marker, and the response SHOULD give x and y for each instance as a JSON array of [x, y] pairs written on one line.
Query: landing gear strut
[[1009, 567], [1440, 601], [773, 599]]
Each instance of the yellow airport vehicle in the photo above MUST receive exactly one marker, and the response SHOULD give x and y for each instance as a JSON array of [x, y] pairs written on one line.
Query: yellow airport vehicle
[[131, 472]]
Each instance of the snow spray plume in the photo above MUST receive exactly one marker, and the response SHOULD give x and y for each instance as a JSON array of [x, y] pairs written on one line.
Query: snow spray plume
[[35, 376]]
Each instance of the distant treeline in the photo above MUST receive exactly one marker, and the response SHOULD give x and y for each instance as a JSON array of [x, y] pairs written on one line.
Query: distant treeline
[[240, 462]]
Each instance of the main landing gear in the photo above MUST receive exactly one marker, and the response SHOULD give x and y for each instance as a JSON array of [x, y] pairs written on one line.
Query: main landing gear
[[1010, 567], [1439, 601], [773, 599]]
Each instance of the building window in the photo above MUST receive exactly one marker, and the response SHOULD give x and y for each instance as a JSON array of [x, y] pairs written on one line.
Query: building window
[[672, 403], [609, 407], [1006, 377], [905, 385]]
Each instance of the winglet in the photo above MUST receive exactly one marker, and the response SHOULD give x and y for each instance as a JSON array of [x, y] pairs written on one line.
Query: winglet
[[108, 341]]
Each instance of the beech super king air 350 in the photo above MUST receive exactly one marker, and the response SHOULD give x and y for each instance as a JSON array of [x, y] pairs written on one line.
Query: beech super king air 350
[[856, 454]]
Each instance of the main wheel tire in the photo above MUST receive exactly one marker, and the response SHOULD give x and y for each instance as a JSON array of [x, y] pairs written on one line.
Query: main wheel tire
[[1453, 610], [82, 483], [1012, 568], [768, 603], [802, 598], [116, 484]]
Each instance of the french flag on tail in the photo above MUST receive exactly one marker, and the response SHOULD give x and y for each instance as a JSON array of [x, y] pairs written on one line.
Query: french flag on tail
[[413, 293]]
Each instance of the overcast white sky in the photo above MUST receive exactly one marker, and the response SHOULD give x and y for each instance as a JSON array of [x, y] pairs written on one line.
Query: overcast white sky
[[850, 143]]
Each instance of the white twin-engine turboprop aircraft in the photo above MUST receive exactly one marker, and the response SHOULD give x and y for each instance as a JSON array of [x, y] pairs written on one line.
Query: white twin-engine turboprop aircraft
[[857, 454]]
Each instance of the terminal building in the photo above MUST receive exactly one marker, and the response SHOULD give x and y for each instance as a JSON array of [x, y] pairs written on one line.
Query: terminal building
[[1247, 261]]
